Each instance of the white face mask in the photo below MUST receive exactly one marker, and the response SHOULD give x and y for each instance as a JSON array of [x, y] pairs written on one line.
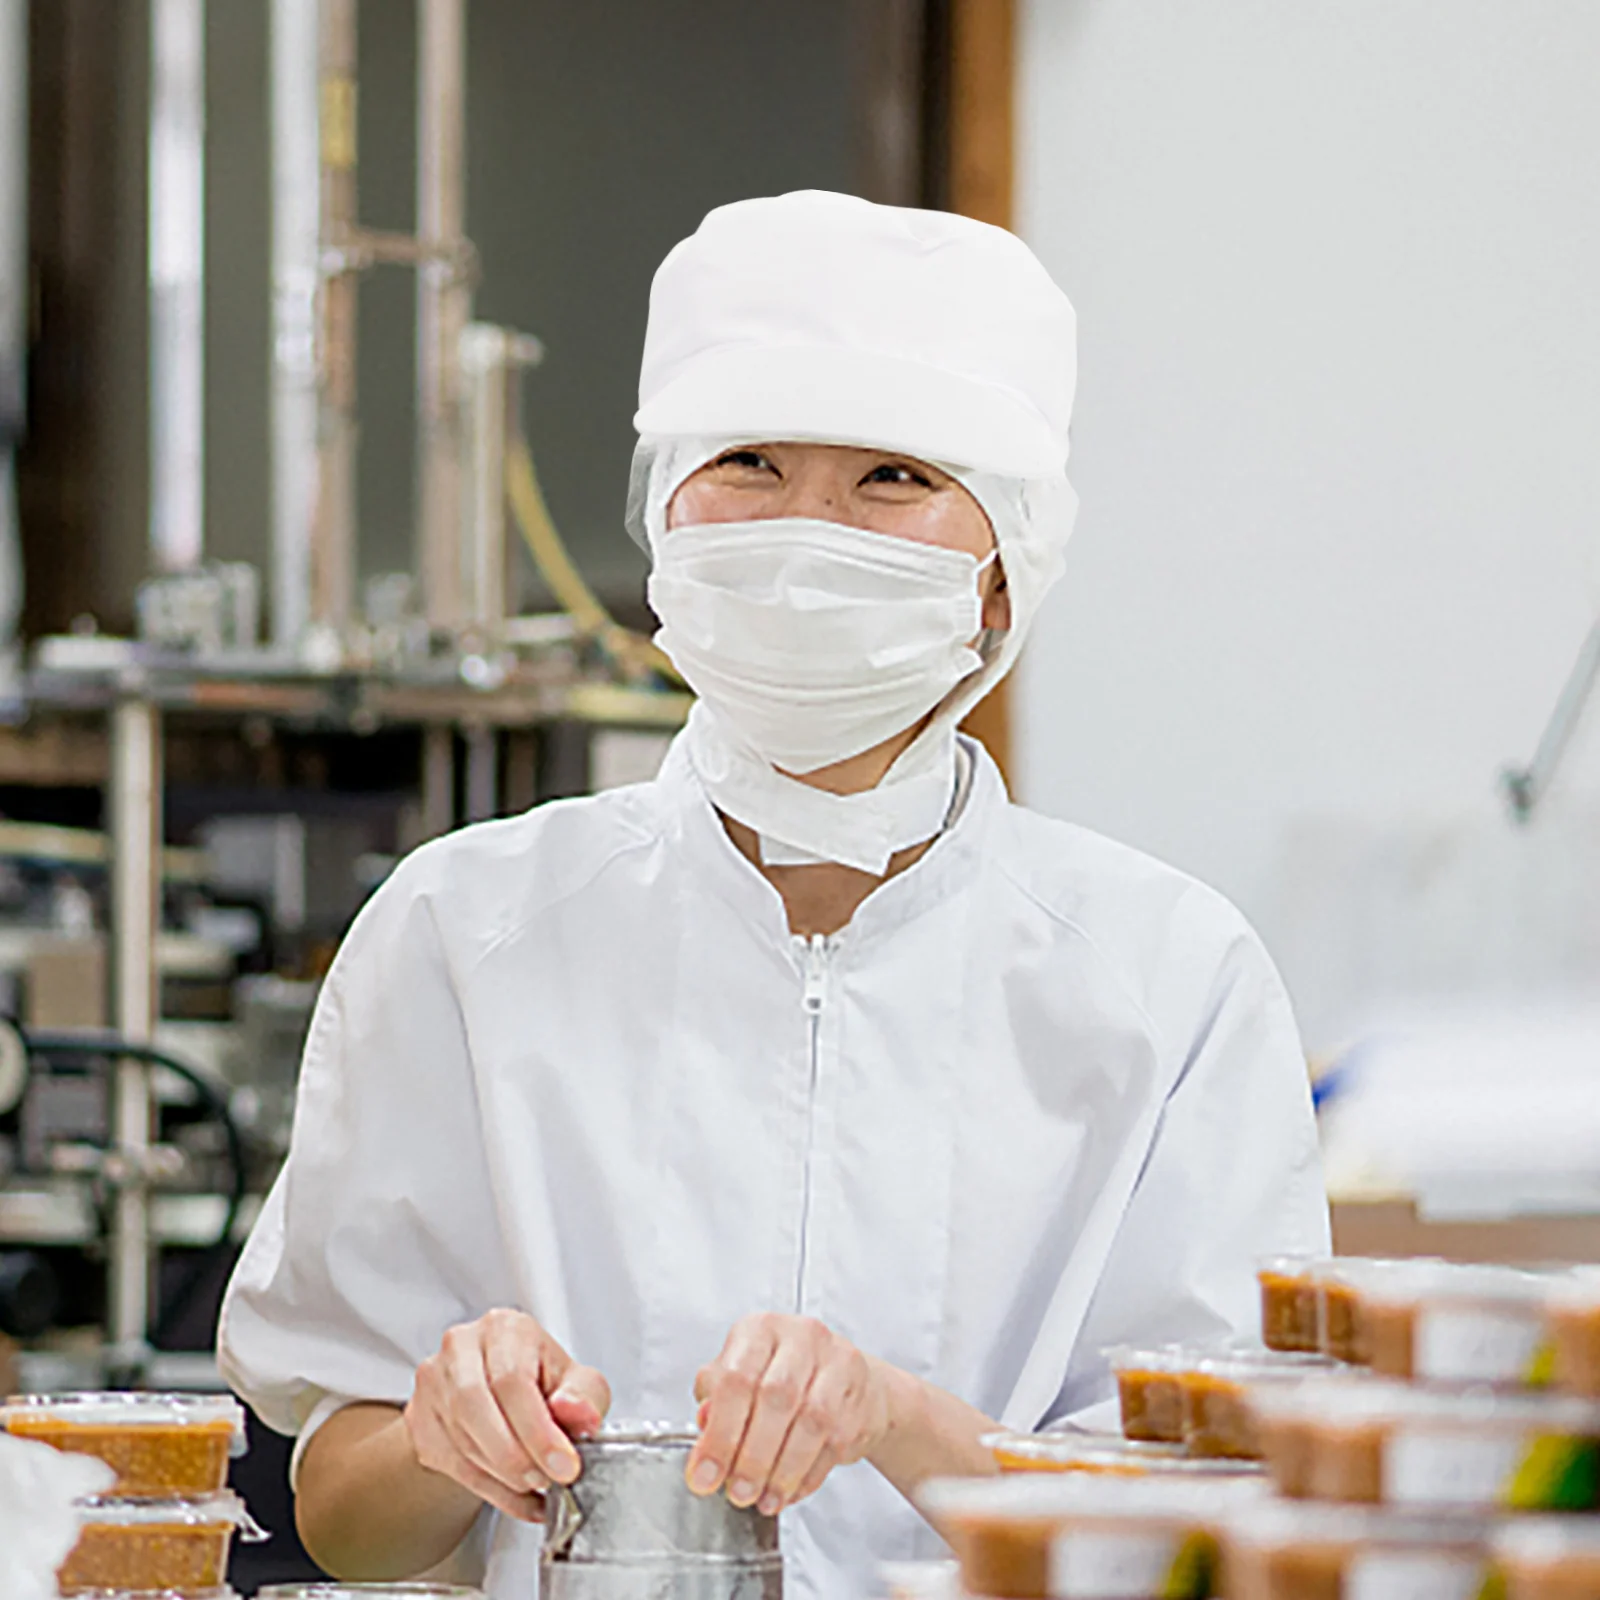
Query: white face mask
[[815, 641]]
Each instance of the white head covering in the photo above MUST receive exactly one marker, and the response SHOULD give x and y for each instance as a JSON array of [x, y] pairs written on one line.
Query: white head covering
[[816, 316]]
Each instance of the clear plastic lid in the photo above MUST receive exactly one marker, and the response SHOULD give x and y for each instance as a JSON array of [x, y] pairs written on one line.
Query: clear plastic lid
[[367, 1591], [1546, 1541], [1279, 1524], [222, 1593], [1108, 1453], [1577, 1290], [1188, 1357], [1249, 1366], [1298, 1267], [223, 1509], [1341, 1402], [1144, 1357], [1032, 1497], [1454, 1283], [131, 1408]]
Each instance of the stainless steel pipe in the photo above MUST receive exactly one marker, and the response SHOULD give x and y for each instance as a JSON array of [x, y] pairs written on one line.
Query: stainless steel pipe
[[296, 273], [629, 1529], [177, 283], [444, 295], [135, 815]]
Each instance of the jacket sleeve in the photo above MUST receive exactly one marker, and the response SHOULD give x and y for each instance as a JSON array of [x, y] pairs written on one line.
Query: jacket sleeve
[[380, 1232], [1233, 1171]]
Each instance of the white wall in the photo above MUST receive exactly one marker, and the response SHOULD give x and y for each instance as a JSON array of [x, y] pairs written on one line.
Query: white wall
[[1337, 271]]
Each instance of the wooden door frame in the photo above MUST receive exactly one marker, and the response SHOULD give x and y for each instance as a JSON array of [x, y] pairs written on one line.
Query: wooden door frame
[[979, 172]]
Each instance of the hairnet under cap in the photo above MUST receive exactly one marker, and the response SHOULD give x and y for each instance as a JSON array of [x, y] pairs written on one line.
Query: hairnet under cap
[[820, 316]]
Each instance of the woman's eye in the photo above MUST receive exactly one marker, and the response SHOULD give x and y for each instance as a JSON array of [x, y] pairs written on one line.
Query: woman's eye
[[745, 458], [894, 472]]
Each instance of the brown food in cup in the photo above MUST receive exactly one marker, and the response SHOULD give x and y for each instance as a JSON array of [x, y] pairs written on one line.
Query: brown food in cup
[[1341, 1327], [1151, 1404], [1549, 1558], [1286, 1447], [1575, 1335], [1006, 1560], [1015, 1538], [150, 1458], [150, 1556], [1390, 1331], [1307, 1571], [1288, 1305], [1216, 1420], [1346, 1463], [1283, 1552]]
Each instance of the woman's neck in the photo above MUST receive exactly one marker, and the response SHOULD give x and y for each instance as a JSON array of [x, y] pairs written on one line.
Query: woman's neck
[[821, 897]]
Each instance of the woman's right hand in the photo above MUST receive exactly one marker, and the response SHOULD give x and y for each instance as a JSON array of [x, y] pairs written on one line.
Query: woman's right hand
[[496, 1409]]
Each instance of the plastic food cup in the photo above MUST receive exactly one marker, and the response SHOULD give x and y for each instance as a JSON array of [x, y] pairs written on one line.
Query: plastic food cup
[[1283, 1414], [1573, 1311], [1148, 1395], [1548, 1558], [1318, 1552], [1434, 1322], [160, 1445], [1406, 1447], [1343, 1333], [1217, 1420], [1078, 1537], [162, 1545], [1289, 1301], [1103, 1453]]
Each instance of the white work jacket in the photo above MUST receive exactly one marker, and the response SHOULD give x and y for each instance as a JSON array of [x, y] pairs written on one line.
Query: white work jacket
[[1041, 1095]]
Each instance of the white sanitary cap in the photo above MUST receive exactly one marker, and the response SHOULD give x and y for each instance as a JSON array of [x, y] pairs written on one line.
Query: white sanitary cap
[[824, 317], [821, 317]]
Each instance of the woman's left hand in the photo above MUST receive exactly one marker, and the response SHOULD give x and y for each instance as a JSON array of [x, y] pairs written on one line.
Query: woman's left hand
[[785, 1403]]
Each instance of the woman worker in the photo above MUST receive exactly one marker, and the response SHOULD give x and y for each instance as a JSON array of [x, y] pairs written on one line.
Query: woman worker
[[813, 1088]]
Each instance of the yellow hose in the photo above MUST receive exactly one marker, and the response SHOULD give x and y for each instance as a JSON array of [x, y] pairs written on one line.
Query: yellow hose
[[633, 652]]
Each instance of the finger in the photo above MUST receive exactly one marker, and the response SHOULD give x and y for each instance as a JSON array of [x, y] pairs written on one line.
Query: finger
[[524, 1506], [815, 1478], [781, 1396], [513, 1356], [580, 1404], [730, 1387], [476, 1423], [437, 1450], [832, 1397]]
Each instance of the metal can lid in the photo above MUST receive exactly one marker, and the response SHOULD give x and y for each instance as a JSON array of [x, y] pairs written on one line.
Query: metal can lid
[[368, 1591]]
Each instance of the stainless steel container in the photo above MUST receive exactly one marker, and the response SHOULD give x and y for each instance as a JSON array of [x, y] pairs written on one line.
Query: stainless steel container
[[629, 1529]]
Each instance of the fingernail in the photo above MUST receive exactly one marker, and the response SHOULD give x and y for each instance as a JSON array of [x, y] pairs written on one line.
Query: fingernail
[[562, 1465], [741, 1491], [771, 1503], [705, 1476]]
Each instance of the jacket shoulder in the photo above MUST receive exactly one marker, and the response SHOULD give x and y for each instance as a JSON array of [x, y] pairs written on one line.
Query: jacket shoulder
[[1153, 926], [482, 881]]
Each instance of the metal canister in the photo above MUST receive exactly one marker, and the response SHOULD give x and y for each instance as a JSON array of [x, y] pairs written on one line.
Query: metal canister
[[629, 1529]]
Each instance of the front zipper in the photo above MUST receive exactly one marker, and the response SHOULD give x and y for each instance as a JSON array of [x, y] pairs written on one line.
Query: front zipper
[[815, 968]]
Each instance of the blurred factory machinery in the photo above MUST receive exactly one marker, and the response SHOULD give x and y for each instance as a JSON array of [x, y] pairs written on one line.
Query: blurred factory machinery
[[205, 804]]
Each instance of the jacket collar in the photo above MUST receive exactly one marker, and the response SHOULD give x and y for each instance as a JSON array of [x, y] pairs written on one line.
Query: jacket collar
[[948, 867]]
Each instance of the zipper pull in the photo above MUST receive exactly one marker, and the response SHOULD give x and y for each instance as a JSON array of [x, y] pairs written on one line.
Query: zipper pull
[[816, 972]]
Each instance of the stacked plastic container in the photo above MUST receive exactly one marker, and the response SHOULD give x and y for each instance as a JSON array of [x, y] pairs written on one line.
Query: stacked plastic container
[[1455, 1453], [169, 1521], [1412, 1430]]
